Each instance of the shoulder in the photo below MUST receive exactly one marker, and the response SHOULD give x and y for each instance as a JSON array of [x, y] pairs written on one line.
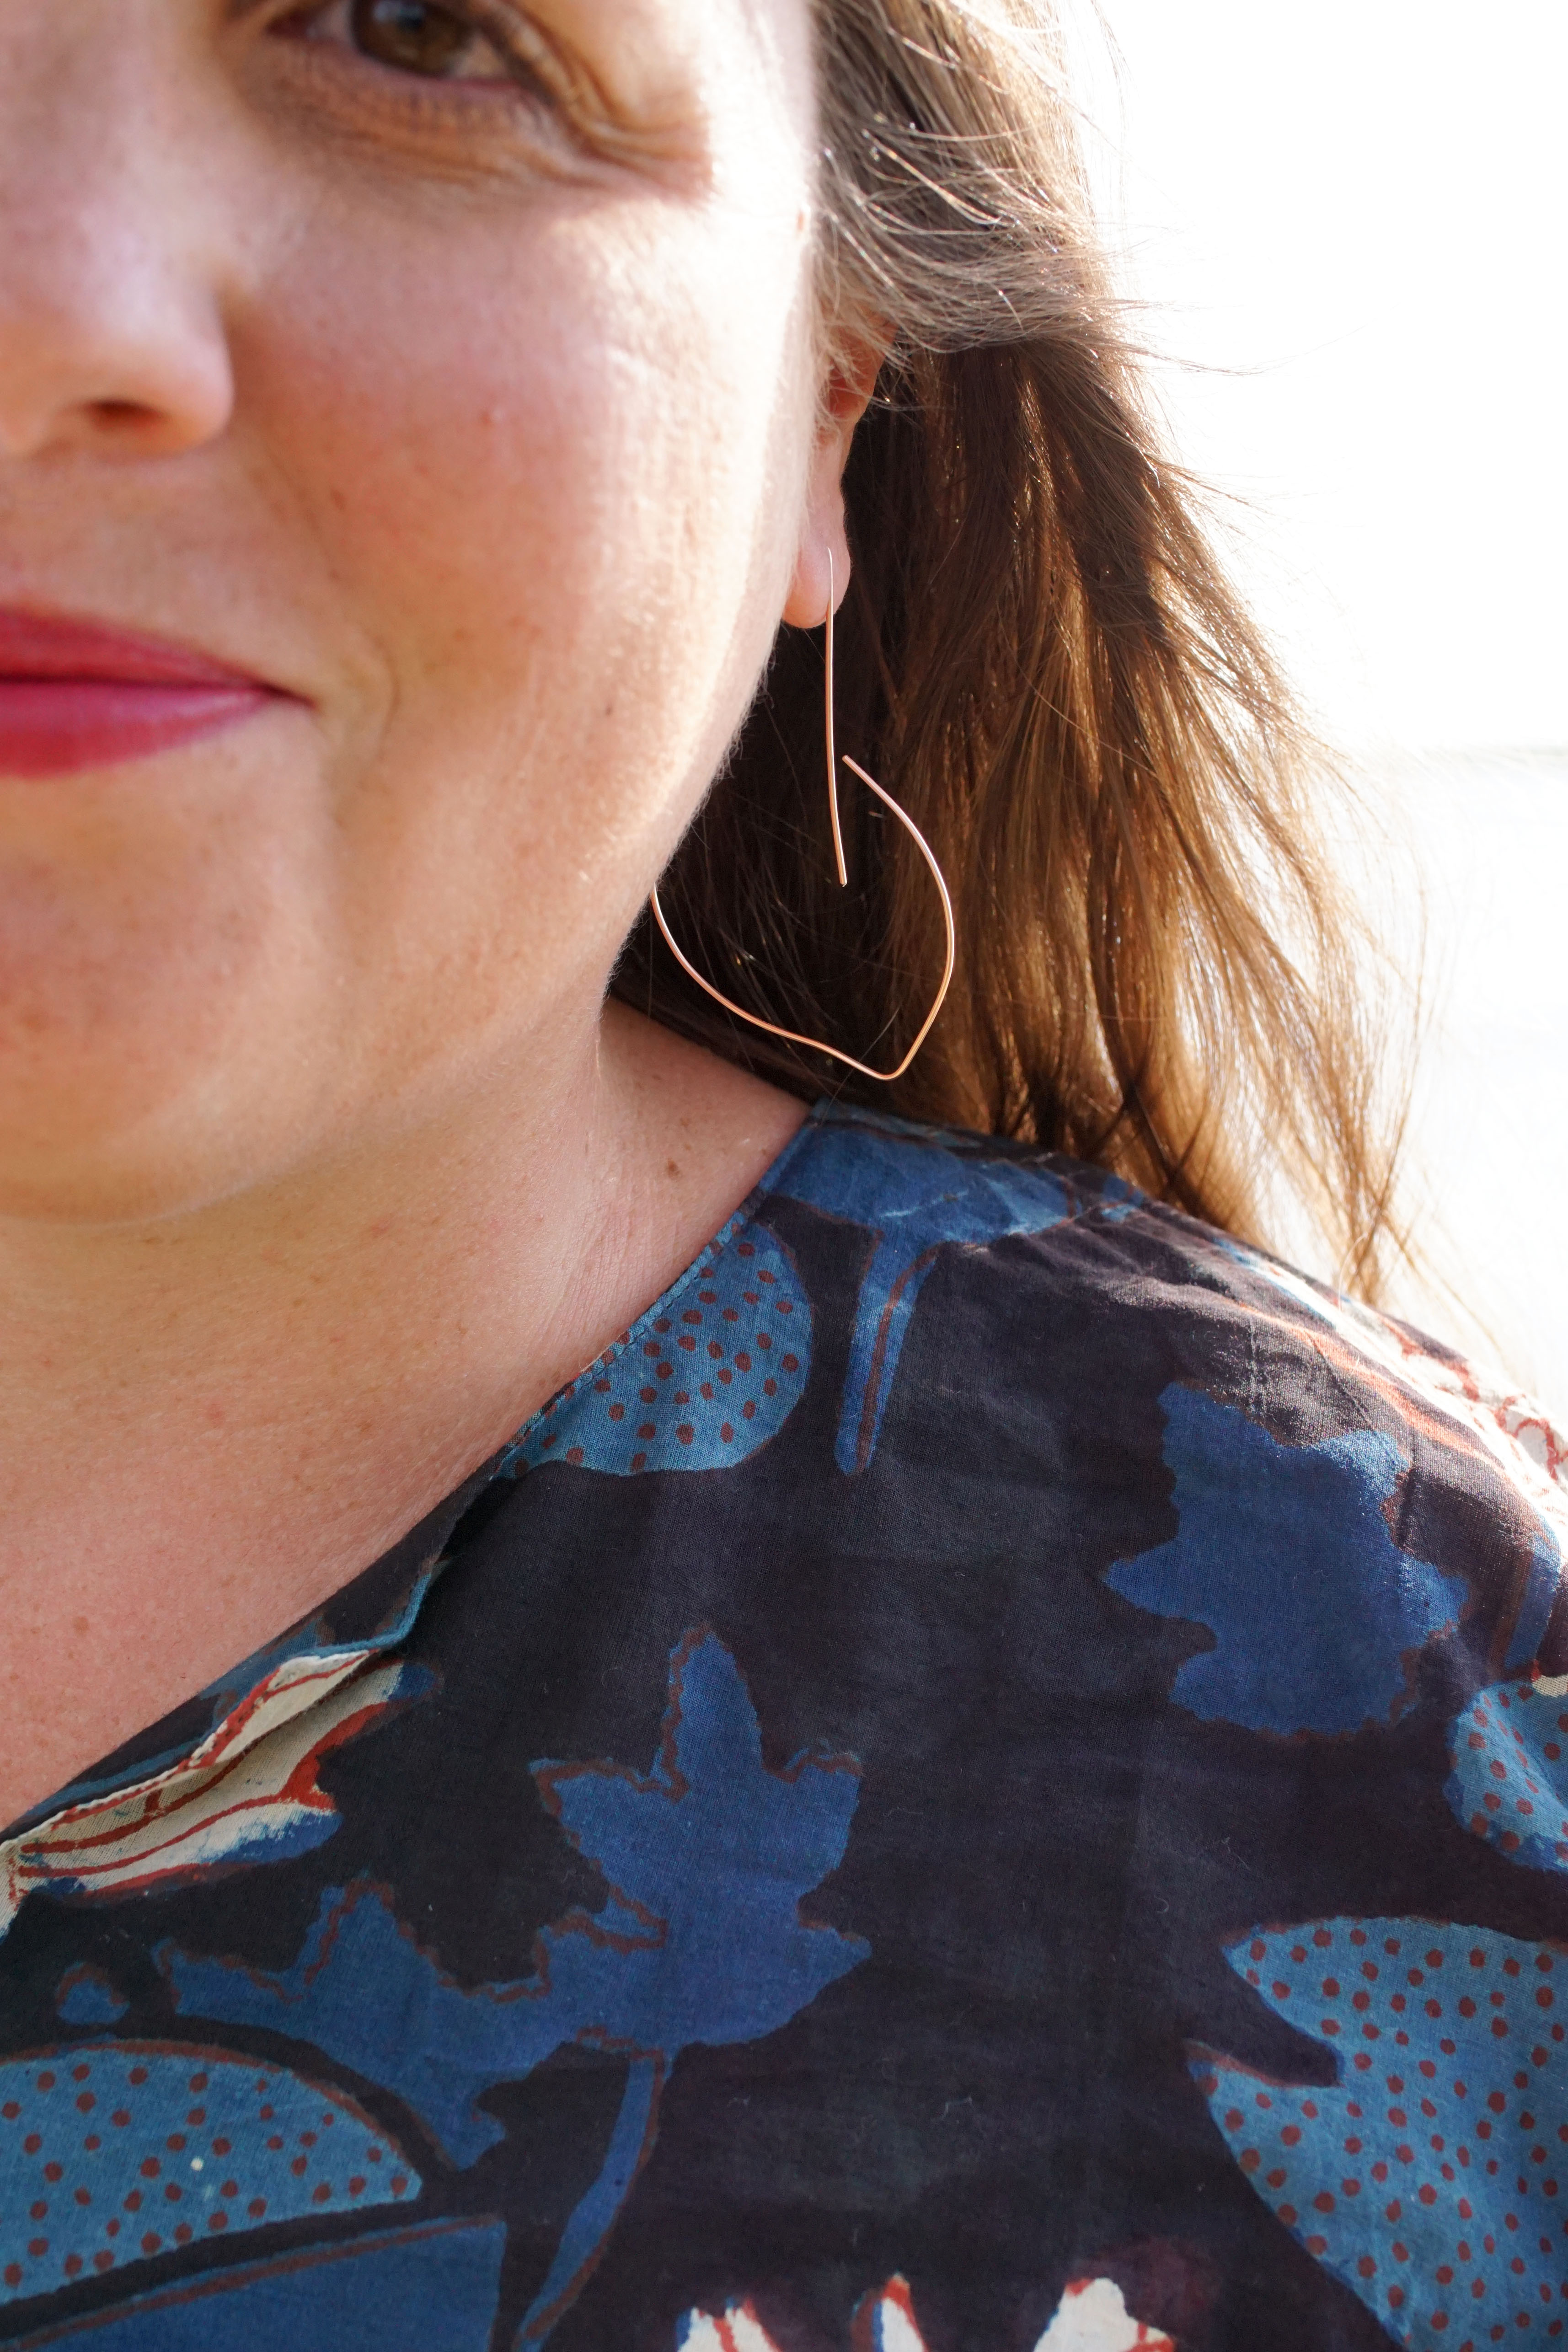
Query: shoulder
[[1289, 1438], [955, 1185]]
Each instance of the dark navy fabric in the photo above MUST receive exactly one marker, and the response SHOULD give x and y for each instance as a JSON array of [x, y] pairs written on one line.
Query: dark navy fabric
[[994, 1775]]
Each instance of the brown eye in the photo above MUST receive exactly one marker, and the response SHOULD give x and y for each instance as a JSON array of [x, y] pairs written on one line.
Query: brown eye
[[413, 36]]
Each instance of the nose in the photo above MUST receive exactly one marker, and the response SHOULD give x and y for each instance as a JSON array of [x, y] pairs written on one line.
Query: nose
[[111, 332]]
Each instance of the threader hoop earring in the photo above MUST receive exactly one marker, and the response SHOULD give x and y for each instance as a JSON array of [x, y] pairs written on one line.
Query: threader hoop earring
[[793, 1037]]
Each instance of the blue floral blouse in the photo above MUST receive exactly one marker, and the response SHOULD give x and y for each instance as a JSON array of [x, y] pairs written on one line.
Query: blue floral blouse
[[992, 1778]]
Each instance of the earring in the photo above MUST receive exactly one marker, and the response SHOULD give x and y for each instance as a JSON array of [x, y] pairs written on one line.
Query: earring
[[793, 1037]]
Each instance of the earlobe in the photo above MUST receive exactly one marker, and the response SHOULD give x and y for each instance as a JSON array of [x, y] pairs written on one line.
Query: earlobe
[[821, 569], [822, 559], [824, 552]]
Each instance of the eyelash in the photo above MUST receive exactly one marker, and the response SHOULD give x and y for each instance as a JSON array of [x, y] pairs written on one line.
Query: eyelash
[[527, 59]]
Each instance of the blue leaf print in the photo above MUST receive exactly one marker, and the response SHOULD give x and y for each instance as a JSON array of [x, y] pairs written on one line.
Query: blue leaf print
[[362, 1990], [701, 1940], [112, 2153], [707, 1858], [1432, 2176], [1510, 1781], [436, 2286], [588, 2229], [701, 1382], [918, 1195], [86, 1996], [1284, 1552]]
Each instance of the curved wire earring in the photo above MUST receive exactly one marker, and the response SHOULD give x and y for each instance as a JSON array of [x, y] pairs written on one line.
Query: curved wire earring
[[793, 1037]]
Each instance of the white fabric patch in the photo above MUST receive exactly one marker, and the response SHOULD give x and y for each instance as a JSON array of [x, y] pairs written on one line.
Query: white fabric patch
[[1093, 2316]]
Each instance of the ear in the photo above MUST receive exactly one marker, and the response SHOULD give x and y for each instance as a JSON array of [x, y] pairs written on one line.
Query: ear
[[846, 397]]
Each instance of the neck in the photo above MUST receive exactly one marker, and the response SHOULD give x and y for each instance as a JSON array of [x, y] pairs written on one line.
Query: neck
[[342, 1280], [209, 1423]]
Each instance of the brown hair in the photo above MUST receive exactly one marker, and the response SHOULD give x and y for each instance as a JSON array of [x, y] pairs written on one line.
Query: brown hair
[[1039, 656]]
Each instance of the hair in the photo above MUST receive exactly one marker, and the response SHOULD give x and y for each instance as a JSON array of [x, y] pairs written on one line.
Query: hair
[[1040, 658]]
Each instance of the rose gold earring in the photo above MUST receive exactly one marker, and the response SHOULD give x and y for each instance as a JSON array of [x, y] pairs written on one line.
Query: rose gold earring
[[793, 1037]]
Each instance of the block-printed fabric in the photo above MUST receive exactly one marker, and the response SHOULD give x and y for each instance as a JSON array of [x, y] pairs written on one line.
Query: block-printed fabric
[[993, 1777]]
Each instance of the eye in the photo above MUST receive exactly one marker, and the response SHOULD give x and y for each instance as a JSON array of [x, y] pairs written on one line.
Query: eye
[[463, 70], [415, 36]]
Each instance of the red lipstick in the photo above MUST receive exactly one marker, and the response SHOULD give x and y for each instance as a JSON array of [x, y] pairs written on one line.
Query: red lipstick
[[75, 694]]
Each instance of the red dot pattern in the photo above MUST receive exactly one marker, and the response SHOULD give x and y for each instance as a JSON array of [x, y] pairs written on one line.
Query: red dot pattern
[[1433, 2176], [1510, 1782], [118, 2153], [706, 1377]]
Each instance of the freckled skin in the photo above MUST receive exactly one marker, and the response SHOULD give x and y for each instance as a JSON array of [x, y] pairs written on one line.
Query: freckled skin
[[502, 476], [487, 428]]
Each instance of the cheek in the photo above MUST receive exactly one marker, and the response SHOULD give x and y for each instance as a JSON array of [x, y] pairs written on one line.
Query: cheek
[[550, 472], [138, 923]]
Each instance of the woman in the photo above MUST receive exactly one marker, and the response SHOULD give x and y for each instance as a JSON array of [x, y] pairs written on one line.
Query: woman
[[988, 1774]]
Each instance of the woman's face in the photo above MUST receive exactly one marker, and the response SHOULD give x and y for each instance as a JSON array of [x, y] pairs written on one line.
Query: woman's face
[[449, 375]]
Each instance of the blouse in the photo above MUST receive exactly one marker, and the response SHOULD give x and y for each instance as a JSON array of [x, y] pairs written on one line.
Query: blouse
[[990, 1778]]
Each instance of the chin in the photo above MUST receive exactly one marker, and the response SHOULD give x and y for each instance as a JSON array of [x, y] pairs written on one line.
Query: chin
[[109, 1148], [156, 988], [146, 1101]]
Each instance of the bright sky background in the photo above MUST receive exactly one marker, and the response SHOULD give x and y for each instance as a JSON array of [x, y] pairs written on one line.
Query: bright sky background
[[1363, 209], [1355, 220]]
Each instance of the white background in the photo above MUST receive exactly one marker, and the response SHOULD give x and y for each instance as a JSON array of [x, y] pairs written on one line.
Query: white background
[[1346, 227]]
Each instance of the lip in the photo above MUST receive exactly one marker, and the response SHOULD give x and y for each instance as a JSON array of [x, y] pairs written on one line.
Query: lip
[[78, 694]]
